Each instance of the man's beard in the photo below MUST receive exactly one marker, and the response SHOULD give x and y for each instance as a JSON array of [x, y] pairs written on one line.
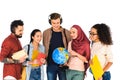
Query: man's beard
[[18, 36]]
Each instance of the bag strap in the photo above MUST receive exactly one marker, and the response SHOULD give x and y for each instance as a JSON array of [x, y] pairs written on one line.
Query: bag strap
[[28, 52], [28, 49]]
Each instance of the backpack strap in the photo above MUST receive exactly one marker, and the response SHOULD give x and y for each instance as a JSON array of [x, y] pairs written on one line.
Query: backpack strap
[[28, 52], [28, 49]]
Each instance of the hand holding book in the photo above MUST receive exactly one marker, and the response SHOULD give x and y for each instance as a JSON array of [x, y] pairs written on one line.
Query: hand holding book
[[20, 56], [39, 60], [96, 68]]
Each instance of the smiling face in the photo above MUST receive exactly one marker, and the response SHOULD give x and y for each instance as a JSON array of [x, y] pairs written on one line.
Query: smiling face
[[19, 31], [55, 24], [93, 35], [37, 37], [73, 33]]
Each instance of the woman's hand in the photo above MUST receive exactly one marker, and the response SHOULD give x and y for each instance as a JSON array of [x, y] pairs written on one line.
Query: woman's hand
[[84, 59], [100, 78], [22, 59], [91, 62], [74, 54], [34, 62], [42, 60], [38, 61]]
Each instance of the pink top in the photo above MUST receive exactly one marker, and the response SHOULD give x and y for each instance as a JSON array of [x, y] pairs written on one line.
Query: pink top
[[75, 63]]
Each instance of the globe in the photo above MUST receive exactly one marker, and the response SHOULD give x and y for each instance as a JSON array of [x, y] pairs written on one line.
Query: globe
[[60, 55]]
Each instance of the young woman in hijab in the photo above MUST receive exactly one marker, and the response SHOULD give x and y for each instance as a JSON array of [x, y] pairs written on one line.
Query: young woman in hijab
[[79, 49]]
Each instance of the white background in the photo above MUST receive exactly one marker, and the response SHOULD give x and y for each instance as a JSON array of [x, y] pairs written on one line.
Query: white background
[[85, 13]]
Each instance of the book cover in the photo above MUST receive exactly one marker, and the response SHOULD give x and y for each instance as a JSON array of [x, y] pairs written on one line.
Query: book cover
[[41, 55], [38, 55], [19, 54], [96, 68]]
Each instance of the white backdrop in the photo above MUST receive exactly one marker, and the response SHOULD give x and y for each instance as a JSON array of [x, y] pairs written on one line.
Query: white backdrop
[[85, 13]]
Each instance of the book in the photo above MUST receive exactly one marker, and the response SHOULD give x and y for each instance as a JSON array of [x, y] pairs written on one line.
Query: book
[[38, 55], [96, 68], [34, 54], [41, 55], [19, 54]]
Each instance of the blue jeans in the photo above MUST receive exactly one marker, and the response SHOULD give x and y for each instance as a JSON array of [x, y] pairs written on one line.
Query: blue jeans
[[35, 74], [106, 75], [53, 71]]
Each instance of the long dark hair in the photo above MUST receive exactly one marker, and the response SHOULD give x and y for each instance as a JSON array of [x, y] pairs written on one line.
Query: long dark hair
[[33, 33]]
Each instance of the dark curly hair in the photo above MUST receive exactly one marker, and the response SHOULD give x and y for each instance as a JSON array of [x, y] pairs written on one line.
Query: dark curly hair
[[104, 33]]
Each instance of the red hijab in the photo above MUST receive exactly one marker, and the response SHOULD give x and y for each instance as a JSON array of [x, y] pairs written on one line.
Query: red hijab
[[81, 44]]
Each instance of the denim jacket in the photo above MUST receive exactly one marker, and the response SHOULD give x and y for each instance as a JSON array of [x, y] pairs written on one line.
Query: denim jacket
[[28, 68]]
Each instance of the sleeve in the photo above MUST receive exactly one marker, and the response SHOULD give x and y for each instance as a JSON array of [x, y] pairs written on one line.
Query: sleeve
[[68, 35], [109, 55], [42, 49], [69, 46], [45, 37], [42, 72], [25, 48], [5, 55], [5, 50], [26, 62]]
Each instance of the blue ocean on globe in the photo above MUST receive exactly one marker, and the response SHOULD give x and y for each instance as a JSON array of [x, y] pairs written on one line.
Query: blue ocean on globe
[[60, 55]]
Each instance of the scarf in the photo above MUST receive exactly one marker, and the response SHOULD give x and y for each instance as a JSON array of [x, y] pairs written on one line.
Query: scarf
[[81, 44]]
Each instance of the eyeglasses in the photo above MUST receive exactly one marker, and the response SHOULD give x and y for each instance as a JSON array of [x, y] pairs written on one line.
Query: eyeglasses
[[91, 33]]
